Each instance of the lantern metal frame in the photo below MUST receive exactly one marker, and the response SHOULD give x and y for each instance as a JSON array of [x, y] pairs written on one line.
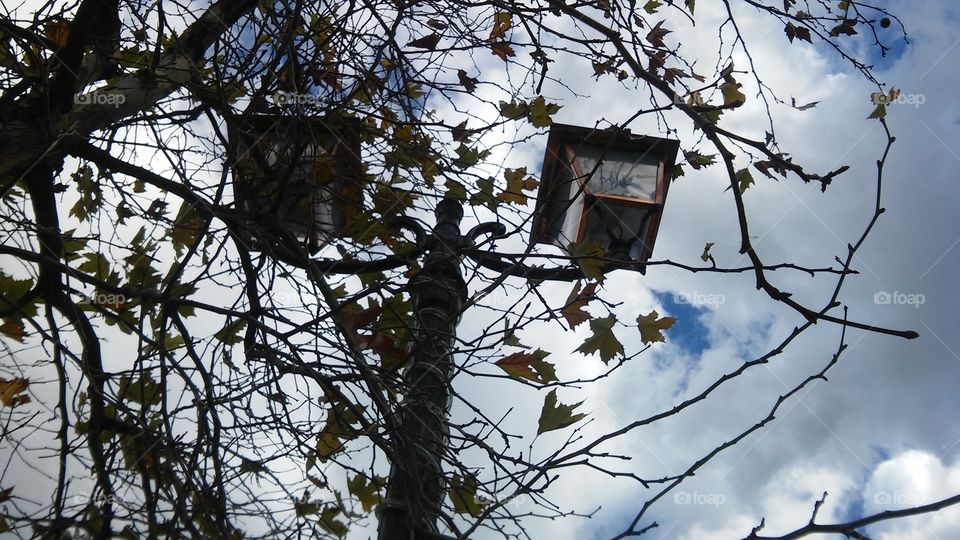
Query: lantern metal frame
[[565, 144]]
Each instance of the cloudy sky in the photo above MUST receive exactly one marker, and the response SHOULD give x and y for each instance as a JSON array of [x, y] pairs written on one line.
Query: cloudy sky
[[881, 433]]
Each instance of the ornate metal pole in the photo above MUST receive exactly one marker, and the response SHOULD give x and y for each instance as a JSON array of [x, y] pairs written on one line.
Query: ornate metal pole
[[415, 490]]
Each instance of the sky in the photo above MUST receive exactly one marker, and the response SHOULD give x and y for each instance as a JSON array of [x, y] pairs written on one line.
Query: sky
[[881, 432]]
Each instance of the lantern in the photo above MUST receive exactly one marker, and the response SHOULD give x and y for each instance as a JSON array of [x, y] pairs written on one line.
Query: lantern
[[603, 186], [296, 178]]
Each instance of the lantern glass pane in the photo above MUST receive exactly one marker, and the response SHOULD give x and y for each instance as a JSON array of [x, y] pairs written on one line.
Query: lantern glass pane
[[571, 204], [623, 173], [619, 227]]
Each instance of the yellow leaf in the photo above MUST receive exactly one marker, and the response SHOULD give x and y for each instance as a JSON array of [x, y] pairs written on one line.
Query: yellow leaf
[[732, 94], [463, 494], [501, 23], [879, 112], [650, 326], [516, 184]]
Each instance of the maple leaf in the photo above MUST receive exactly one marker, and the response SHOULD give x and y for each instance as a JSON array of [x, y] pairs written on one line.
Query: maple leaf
[[650, 326], [698, 160], [460, 132], [530, 366], [463, 494], [501, 23], [11, 390], [603, 341], [744, 180], [540, 112], [573, 311], [516, 184], [502, 49], [428, 42], [555, 415], [588, 256], [367, 491], [656, 34], [469, 83], [732, 94]]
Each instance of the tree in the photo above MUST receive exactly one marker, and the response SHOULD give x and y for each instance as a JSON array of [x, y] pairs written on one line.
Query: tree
[[196, 372]]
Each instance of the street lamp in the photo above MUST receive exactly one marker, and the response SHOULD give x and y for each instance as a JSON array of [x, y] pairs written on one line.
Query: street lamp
[[604, 186], [298, 179], [596, 185]]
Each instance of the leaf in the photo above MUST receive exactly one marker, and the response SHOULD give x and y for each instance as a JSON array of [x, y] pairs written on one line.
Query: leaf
[[556, 415], [732, 94], [793, 103], [353, 319], [652, 6], [501, 23], [698, 160], [516, 184], [706, 256], [306, 508], [89, 190], [573, 311], [230, 334], [744, 180], [587, 255], [513, 110], [460, 133], [502, 49], [847, 27], [14, 329], [603, 341], [328, 521], [879, 112], [463, 494], [428, 42], [186, 227], [144, 391], [540, 112], [367, 491], [336, 431], [656, 34], [468, 157], [650, 326], [522, 366], [469, 83], [251, 466], [11, 390], [690, 5], [799, 32]]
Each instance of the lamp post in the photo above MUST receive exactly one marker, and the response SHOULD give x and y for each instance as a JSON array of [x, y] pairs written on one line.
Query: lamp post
[[603, 186]]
